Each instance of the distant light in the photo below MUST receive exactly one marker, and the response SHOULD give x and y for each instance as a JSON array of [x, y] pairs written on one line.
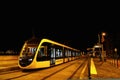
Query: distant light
[[97, 46], [103, 33], [115, 49]]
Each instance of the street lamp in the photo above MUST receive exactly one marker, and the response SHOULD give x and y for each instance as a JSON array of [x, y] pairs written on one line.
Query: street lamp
[[103, 35], [100, 41]]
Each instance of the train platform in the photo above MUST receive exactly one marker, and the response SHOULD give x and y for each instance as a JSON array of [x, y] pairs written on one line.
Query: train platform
[[99, 69], [105, 70], [8, 68], [7, 65]]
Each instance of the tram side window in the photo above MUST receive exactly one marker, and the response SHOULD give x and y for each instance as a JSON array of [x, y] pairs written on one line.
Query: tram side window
[[73, 53], [66, 53], [52, 52], [41, 55], [59, 53], [69, 53], [41, 52], [76, 54]]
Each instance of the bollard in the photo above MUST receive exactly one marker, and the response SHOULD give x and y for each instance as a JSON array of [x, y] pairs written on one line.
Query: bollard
[[117, 62]]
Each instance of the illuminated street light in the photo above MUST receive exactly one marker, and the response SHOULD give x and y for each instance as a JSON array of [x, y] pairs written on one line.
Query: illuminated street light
[[101, 39], [103, 35]]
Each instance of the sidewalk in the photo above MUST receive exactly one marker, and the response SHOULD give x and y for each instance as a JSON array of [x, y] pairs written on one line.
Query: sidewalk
[[105, 70]]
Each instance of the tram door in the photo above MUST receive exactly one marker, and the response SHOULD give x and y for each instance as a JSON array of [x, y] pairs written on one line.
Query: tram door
[[52, 61]]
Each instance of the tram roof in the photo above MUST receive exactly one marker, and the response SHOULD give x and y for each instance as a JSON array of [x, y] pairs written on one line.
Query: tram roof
[[35, 40]]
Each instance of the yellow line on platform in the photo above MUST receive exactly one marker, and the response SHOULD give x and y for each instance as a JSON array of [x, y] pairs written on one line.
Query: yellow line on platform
[[92, 67], [83, 70]]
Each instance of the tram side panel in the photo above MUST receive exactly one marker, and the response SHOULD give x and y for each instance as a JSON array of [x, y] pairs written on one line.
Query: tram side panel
[[43, 57]]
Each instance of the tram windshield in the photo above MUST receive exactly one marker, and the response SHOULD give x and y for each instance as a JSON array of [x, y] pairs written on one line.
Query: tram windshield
[[29, 50]]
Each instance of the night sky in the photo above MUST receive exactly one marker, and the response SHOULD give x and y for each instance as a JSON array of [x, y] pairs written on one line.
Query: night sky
[[71, 27]]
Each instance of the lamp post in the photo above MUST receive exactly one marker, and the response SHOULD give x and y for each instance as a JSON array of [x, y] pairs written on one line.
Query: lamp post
[[103, 35], [101, 39], [98, 38], [116, 56], [100, 42]]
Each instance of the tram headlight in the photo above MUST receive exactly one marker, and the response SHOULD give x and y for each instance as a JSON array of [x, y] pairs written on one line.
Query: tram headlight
[[30, 59], [20, 59]]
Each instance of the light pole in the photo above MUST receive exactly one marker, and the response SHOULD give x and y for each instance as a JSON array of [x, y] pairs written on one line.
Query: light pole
[[99, 38], [100, 42], [103, 35]]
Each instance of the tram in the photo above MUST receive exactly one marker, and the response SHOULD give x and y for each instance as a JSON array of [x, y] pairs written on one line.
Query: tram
[[42, 53]]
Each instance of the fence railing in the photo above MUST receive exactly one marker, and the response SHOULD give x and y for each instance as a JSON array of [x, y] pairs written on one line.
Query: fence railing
[[115, 62]]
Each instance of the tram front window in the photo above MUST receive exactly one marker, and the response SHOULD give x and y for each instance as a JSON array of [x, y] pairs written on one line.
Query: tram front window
[[29, 52]]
